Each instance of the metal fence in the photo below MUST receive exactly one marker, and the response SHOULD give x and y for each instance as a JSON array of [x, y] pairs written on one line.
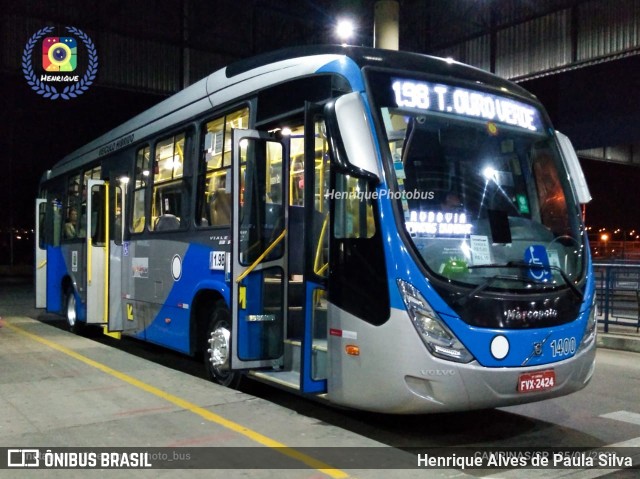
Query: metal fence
[[618, 294]]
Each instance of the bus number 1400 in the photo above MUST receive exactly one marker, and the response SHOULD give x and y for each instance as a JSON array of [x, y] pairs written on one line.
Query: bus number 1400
[[563, 346]]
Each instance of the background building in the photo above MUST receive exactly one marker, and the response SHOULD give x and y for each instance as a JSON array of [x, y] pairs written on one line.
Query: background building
[[580, 57]]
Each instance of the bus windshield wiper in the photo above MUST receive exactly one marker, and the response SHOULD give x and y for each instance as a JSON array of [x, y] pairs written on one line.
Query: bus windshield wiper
[[485, 284], [521, 265]]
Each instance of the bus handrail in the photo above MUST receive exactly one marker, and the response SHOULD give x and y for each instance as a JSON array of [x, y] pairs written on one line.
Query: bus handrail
[[262, 256], [317, 269]]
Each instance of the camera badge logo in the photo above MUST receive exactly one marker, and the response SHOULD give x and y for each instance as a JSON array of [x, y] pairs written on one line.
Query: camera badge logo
[[63, 59], [59, 54]]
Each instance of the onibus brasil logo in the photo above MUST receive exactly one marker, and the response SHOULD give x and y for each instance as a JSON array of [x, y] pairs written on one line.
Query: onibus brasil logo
[[59, 55]]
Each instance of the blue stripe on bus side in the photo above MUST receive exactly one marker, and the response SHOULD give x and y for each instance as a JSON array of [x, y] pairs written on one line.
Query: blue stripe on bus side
[[478, 340], [170, 327], [348, 69], [521, 342], [56, 270]]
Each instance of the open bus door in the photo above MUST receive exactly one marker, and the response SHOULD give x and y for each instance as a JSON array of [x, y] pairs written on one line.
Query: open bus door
[[97, 251], [259, 249], [40, 255], [119, 320], [314, 351], [274, 246], [105, 205]]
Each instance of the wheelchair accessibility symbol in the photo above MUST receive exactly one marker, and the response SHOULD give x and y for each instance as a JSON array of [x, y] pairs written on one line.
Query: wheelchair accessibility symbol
[[537, 257]]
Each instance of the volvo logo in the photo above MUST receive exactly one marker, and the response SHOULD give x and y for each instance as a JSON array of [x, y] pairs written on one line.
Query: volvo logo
[[531, 314], [537, 349]]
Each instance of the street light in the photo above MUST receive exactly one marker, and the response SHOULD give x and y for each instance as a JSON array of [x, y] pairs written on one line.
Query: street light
[[345, 30], [605, 237]]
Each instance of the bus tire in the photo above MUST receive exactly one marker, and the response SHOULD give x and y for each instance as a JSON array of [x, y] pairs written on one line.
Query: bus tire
[[71, 314], [218, 348]]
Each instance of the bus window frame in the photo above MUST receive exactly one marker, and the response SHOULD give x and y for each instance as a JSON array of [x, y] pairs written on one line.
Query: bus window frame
[[184, 181], [130, 220], [200, 170]]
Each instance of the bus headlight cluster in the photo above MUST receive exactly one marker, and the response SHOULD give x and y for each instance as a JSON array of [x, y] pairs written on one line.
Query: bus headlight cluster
[[591, 330], [439, 339]]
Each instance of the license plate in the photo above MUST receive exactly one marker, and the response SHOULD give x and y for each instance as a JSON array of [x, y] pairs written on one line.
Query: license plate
[[538, 381]]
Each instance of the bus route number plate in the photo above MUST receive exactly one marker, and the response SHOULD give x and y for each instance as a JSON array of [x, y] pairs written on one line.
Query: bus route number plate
[[217, 260], [538, 381]]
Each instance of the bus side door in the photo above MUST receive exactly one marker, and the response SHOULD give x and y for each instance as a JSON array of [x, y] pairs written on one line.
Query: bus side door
[[314, 352], [121, 316], [259, 249], [40, 255], [97, 251]]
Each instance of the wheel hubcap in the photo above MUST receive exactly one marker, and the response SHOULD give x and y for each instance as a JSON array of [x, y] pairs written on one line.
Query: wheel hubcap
[[219, 352], [71, 311]]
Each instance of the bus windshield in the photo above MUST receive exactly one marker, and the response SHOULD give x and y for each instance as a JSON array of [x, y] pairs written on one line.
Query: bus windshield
[[486, 201]]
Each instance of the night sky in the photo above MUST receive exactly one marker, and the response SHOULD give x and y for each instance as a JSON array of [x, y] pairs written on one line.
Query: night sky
[[616, 195], [36, 134]]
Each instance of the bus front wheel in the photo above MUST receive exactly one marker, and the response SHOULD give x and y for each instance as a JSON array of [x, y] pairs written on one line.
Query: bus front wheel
[[218, 348]]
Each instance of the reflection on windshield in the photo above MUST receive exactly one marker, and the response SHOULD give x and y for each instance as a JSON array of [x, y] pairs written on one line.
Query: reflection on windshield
[[476, 192]]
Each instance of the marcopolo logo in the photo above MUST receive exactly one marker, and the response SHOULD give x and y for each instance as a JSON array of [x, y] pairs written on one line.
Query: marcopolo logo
[[59, 77]]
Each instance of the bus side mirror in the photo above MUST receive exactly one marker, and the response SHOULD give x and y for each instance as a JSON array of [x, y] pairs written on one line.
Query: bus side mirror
[[350, 138], [572, 163]]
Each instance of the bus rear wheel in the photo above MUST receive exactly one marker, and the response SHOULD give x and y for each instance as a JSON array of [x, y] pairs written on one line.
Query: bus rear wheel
[[71, 311], [218, 348]]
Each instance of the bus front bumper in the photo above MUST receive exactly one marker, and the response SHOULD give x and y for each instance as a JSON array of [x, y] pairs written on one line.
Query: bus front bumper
[[472, 386]]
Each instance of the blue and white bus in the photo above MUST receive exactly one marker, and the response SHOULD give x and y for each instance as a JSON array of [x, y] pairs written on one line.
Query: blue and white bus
[[381, 230]]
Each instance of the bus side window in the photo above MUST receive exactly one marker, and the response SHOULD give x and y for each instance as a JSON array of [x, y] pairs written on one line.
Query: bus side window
[[553, 204], [42, 223], [92, 174], [71, 226], [214, 184], [116, 212], [139, 189], [169, 191], [353, 208], [320, 226], [56, 206]]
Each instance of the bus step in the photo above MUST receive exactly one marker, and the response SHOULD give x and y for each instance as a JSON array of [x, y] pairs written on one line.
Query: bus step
[[288, 379], [292, 352]]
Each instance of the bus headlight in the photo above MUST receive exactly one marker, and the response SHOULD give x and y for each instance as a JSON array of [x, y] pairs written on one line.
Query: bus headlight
[[437, 337], [591, 330]]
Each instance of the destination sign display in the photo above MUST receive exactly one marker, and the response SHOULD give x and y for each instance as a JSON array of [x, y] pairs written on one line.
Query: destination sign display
[[457, 101]]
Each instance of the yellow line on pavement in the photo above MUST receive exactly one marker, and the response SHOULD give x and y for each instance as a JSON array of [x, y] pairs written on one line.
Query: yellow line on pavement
[[189, 406]]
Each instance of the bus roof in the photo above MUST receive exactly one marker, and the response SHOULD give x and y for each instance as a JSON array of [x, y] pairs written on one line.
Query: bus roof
[[252, 74]]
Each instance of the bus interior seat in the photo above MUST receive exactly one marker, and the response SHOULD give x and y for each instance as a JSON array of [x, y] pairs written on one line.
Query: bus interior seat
[[220, 208], [138, 224], [167, 222]]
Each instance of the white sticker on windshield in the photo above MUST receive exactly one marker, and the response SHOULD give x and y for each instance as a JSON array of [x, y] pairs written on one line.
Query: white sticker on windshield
[[554, 259], [480, 250]]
